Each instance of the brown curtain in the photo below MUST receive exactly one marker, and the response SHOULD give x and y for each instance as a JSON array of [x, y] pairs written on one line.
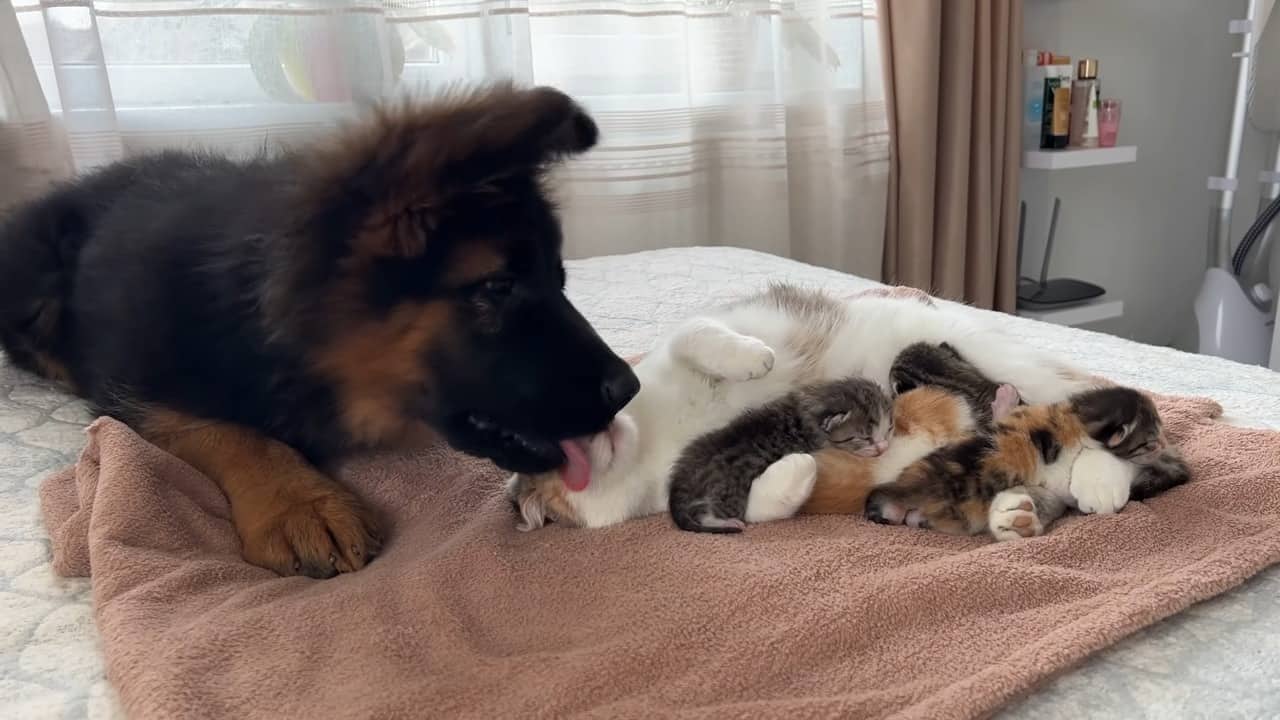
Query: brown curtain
[[953, 84]]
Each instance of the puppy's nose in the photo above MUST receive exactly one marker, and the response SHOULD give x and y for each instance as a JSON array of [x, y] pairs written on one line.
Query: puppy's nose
[[619, 387]]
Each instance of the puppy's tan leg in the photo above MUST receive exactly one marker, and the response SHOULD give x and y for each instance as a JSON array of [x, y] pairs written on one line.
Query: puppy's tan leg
[[291, 518], [844, 481]]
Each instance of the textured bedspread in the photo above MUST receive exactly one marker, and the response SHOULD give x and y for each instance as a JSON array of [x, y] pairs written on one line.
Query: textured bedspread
[[1215, 660]]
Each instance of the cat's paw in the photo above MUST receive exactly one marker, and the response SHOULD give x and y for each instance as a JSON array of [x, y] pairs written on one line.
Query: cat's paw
[[745, 358], [1006, 400], [1013, 517], [782, 488], [1099, 493]]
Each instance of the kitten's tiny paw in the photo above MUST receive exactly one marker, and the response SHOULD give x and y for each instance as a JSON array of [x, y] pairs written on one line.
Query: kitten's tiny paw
[[1013, 517], [1099, 495], [1006, 400], [782, 488]]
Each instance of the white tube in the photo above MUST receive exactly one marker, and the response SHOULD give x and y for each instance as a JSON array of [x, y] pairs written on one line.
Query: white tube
[[1222, 249]]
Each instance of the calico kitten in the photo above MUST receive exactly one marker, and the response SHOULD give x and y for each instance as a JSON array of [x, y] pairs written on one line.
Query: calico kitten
[[712, 479], [1018, 480]]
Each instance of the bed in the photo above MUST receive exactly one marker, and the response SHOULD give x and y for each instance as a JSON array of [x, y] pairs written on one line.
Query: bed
[[1215, 660]]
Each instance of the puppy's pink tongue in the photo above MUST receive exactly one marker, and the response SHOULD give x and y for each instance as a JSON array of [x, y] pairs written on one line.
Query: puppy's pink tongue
[[576, 472]]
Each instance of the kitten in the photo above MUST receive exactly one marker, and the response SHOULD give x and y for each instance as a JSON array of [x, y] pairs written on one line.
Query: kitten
[[940, 366], [1018, 480], [924, 419], [712, 479]]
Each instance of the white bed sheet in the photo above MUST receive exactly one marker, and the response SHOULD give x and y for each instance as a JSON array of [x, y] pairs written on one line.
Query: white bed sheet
[[1216, 660]]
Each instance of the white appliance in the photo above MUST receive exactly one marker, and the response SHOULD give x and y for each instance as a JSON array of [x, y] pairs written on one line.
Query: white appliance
[[1235, 309]]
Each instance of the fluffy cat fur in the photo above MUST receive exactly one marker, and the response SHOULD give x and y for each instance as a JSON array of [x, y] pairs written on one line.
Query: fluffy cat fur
[[712, 367], [1094, 452], [712, 479]]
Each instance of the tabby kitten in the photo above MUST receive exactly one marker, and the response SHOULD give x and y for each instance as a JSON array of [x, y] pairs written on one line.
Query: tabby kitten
[[712, 478], [1018, 480]]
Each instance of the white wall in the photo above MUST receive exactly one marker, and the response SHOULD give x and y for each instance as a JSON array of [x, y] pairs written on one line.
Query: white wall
[[1140, 230]]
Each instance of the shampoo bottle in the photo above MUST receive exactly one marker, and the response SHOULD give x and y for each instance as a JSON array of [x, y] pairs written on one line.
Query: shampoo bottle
[[1055, 130], [1085, 95]]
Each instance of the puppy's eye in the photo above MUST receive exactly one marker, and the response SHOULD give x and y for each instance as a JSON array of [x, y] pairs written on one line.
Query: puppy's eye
[[499, 287]]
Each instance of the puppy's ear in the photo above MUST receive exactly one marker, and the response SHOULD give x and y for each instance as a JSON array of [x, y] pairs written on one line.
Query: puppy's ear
[[390, 181]]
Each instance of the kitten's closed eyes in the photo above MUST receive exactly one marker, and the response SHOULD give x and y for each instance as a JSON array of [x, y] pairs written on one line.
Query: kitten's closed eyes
[[867, 435], [864, 421]]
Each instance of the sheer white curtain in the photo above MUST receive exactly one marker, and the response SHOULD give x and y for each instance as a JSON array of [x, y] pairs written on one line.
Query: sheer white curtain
[[753, 123]]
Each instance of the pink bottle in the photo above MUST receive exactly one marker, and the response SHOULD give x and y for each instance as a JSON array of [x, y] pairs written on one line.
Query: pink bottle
[[1108, 122]]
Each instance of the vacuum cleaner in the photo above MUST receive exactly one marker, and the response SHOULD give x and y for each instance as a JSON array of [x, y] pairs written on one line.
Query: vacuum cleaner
[[1235, 309]]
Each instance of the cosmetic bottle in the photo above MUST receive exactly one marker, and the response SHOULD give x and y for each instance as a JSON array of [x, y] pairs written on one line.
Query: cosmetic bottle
[[1032, 97], [1084, 105], [1055, 128]]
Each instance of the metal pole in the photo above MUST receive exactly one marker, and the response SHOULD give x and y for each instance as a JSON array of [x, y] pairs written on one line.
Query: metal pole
[[1222, 241]]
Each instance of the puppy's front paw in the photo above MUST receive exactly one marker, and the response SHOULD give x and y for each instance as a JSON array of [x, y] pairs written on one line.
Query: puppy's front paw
[[315, 529], [1013, 517]]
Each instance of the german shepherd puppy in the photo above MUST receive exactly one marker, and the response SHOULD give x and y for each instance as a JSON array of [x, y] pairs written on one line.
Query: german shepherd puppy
[[260, 319]]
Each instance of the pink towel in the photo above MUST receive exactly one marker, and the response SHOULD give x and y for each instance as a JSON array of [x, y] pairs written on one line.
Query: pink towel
[[463, 616]]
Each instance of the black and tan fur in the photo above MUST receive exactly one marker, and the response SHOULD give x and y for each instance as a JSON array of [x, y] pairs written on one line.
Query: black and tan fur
[[263, 319]]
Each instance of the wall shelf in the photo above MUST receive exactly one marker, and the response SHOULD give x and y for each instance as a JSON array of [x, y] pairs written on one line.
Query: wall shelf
[[1078, 157], [1090, 312]]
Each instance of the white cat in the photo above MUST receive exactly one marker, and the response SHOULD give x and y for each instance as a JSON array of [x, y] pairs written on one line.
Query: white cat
[[713, 367]]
